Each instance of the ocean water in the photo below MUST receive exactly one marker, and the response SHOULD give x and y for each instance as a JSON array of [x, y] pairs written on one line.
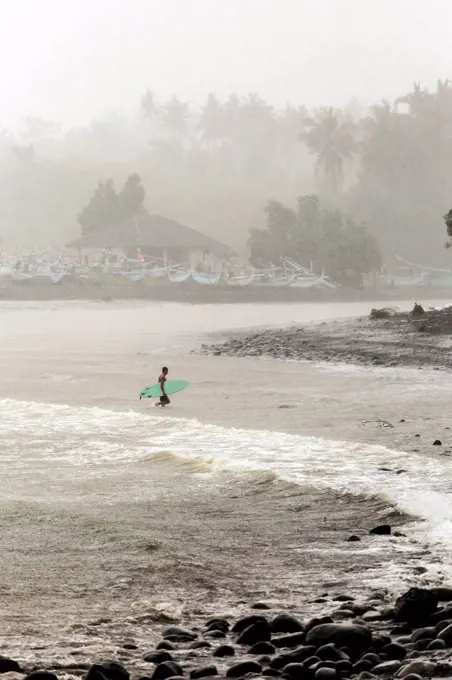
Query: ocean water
[[70, 422]]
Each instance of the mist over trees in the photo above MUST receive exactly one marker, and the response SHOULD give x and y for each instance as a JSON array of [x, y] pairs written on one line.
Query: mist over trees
[[215, 167]]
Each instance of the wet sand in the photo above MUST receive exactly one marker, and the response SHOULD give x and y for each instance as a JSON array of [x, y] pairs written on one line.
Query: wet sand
[[177, 536]]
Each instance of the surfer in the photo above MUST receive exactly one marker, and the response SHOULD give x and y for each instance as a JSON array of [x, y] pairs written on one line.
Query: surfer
[[164, 400]]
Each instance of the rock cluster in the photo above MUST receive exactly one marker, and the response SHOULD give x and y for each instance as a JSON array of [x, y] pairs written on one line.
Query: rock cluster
[[412, 640]]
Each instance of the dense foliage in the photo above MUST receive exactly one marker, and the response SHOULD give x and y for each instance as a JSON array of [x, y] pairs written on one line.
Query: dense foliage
[[312, 234], [107, 207], [216, 166]]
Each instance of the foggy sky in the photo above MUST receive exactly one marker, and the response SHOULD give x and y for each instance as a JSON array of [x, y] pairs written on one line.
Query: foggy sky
[[74, 60]]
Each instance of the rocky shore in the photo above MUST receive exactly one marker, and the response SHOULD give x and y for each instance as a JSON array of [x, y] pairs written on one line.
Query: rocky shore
[[385, 338], [410, 638]]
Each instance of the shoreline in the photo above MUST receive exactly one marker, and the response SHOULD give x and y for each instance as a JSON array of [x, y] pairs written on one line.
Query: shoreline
[[397, 341], [198, 294]]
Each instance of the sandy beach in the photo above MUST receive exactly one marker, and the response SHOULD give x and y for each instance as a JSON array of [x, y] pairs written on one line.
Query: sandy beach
[[247, 489]]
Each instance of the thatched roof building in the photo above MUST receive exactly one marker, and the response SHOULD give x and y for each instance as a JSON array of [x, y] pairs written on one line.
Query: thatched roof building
[[152, 233]]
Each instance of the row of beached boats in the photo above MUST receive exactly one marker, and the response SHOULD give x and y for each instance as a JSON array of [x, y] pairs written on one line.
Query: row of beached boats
[[284, 275]]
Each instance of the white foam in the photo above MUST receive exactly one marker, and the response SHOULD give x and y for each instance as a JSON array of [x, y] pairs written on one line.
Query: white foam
[[40, 437]]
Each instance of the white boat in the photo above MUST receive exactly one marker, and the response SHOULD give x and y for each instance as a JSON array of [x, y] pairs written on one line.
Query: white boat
[[240, 281], [270, 282], [179, 275], [206, 279]]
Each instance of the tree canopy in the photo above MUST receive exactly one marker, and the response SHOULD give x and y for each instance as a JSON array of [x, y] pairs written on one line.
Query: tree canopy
[[107, 207], [311, 233]]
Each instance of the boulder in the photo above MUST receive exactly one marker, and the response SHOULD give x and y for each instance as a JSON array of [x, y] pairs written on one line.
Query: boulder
[[243, 668], [285, 623], [175, 633], [166, 670], [8, 665], [157, 657], [295, 671], [381, 530], [203, 672], [446, 636], [290, 640], [262, 648], [423, 668], [256, 632], [387, 668], [326, 674], [416, 606], [394, 651], [331, 653], [356, 638], [443, 593], [217, 624], [224, 650], [111, 670], [243, 624]]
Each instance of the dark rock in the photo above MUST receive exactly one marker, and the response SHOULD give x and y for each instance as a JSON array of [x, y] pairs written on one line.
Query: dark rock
[[260, 605], [290, 640], [381, 530], [271, 672], [343, 598], [217, 624], [8, 665], [415, 606], [326, 674], [317, 622], [344, 667], [387, 668], [166, 670], [423, 633], [380, 640], [256, 632], [241, 669], [204, 672], [157, 657], [95, 673], [177, 633], [353, 538], [373, 658], [362, 665], [341, 614], [243, 624], [166, 644], [441, 625], [223, 651], [446, 636], [371, 616], [436, 645], [437, 442], [395, 651], [264, 660], [366, 675], [285, 623], [112, 670], [262, 648], [331, 653], [356, 638], [312, 661], [423, 668], [295, 671], [294, 656], [215, 634], [443, 614], [443, 593], [41, 675], [130, 645], [200, 644]]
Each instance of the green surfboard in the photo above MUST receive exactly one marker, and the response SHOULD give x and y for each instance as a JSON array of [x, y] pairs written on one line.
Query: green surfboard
[[171, 387]]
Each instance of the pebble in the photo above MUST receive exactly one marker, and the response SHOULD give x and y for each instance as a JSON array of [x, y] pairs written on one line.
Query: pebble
[[285, 623], [204, 672], [387, 668]]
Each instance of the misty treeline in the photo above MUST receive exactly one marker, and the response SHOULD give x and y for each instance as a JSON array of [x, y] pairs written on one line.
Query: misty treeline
[[217, 166]]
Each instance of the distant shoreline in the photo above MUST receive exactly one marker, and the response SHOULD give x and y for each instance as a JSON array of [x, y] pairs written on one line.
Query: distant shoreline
[[397, 341], [199, 294]]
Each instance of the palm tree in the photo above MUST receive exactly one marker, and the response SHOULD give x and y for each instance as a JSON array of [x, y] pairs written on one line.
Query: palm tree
[[175, 117], [150, 109], [332, 138], [212, 121]]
